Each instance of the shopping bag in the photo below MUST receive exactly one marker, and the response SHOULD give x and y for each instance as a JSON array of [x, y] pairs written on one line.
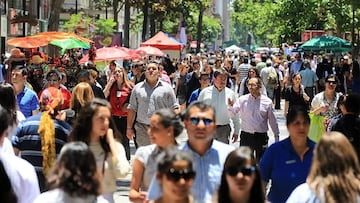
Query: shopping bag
[[316, 127]]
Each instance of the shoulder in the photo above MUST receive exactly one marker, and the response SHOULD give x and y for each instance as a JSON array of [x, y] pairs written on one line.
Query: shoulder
[[302, 193], [143, 152]]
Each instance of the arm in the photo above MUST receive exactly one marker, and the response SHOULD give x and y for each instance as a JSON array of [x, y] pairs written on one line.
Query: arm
[[176, 85], [286, 108], [138, 171], [108, 86], [273, 123], [130, 124]]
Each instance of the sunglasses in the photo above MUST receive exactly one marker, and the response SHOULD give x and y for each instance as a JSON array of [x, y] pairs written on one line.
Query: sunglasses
[[331, 82], [175, 175], [246, 171], [196, 120]]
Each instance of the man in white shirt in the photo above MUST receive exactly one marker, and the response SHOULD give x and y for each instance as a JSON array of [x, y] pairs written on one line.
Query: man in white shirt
[[218, 96], [21, 173]]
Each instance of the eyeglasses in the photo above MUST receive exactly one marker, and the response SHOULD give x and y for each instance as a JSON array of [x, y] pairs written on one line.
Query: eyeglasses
[[52, 81], [251, 71], [252, 85], [175, 175], [118, 71], [246, 171], [196, 121]]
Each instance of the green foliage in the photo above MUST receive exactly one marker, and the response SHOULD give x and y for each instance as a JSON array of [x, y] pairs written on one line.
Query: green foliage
[[105, 27], [76, 21]]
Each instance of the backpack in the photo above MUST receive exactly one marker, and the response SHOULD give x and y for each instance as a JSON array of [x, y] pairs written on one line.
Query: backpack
[[272, 78]]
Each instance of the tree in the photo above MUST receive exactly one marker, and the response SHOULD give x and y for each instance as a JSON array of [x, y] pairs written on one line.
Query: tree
[[55, 9]]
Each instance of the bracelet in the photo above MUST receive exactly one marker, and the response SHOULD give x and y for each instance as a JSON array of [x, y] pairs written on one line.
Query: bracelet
[[128, 128]]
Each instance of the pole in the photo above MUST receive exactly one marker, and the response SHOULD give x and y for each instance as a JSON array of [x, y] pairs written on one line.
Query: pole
[[76, 6], [24, 24], [353, 32]]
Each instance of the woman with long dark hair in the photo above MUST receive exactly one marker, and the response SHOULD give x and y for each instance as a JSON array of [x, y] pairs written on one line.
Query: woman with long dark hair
[[95, 127], [74, 177], [240, 180]]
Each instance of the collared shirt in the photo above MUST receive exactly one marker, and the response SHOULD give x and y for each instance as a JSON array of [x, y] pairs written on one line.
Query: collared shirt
[[219, 100], [308, 78], [145, 100], [285, 168], [255, 114], [208, 169], [27, 101]]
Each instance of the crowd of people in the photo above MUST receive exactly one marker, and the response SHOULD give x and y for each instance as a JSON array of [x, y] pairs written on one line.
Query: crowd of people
[[73, 137]]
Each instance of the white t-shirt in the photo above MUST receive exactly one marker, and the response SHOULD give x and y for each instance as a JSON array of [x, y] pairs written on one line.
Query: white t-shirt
[[59, 196]]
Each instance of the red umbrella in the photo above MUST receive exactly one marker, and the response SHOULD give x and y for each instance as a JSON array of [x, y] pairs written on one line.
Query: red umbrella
[[107, 54], [149, 51], [27, 42], [131, 52]]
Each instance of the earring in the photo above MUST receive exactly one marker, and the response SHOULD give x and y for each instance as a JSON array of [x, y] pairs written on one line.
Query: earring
[[169, 134]]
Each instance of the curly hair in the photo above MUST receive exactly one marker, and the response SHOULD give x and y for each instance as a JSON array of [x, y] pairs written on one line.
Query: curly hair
[[75, 171], [335, 170]]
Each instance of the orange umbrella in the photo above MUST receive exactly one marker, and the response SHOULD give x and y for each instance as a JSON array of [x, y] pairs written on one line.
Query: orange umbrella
[[107, 54], [53, 35], [149, 51], [27, 42]]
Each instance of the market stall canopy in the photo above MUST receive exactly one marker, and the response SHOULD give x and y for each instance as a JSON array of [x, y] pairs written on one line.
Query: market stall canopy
[[234, 48], [54, 35], [161, 41], [326, 43], [149, 51], [27, 42]]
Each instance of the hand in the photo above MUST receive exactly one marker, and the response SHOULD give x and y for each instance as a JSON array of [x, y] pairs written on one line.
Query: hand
[[306, 97], [110, 136], [234, 138], [230, 102], [130, 133]]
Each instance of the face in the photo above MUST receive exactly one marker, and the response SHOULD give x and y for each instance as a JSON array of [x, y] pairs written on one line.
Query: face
[[101, 122], [53, 81], [204, 81], [200, 125], [17, 77], [330, 85], [299, 127], [119, 75], [158, 134], [173, 184], [220, 81], [152, 72], [297, 79], [241, 179], [253, 86], [252, 73]]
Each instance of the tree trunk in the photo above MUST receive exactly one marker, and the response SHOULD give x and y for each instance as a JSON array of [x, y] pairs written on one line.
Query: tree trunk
[[55, 9], [145, 21], [152, 25], [199, 28], [116, 12], [126, 23]]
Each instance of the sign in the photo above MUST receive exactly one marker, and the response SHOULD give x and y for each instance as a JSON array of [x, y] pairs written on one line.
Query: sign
[[309, 34]]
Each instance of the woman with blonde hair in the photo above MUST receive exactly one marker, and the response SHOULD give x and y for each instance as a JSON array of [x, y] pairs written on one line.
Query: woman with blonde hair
[[81, 94], [334, 174]]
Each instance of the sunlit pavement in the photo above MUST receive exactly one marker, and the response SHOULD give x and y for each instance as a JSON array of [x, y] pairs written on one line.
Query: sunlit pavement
[[123, 185]]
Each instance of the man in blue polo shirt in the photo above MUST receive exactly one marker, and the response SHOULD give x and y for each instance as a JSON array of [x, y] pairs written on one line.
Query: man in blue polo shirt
[[27, 99]]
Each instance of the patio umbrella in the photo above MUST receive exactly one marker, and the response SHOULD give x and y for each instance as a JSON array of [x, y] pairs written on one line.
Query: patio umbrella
[[69, 43], [27, 42], [107, 54], [326, 43], [53, 35], [149, 51]]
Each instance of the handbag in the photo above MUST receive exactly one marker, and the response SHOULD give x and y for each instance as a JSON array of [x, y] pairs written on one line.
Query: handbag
[[316, 127]]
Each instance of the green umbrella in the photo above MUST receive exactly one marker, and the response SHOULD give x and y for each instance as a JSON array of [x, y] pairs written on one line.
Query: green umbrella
[[69, 43], [326, 43]]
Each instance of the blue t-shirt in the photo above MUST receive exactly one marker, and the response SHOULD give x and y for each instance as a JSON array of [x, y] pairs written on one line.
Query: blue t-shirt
[[27, 101], [286, 170]]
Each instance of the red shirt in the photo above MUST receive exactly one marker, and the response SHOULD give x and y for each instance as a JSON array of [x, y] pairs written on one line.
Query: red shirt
[[118, 98], [66, 95]]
